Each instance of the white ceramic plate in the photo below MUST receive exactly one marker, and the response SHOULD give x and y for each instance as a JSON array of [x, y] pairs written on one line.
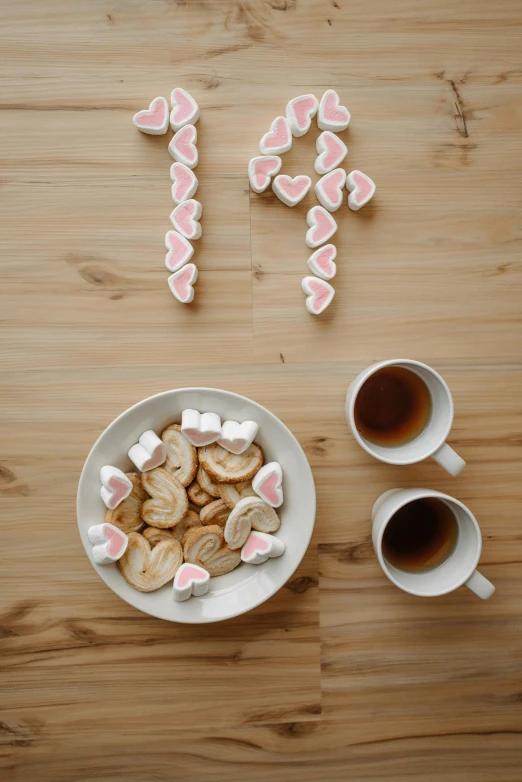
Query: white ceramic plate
[[248, 585]]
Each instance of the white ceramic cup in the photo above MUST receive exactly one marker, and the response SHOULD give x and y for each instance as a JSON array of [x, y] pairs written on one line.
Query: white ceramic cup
[[458, 569], [432, 440]]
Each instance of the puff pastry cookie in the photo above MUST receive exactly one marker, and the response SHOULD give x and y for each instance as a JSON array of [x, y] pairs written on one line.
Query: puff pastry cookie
[[127, 515], [182, 458], [250, 512], [231, 493], [147, 569], [205, 546], [226, 467], [216, 512], [169, 501]]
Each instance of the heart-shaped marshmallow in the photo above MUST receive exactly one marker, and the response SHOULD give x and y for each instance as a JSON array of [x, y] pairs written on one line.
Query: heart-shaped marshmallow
[[200, 428], [322, 226], [109, 543], [184, 183], [183, 148], [116, 487], [190, 580], [185, 110], [261, 170], [237, 437], [321, 262], [185, 219], [149, 452], [291, 190], [278, 139], [260, 547], [267, 483], [181, 283], [155, 119], [331, 152], [332, 116], [299, 113], [180, 251], [319, 294], [361, 188], [329, 189]]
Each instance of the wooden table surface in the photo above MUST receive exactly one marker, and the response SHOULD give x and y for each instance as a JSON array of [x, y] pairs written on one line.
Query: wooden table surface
[[340, 676]]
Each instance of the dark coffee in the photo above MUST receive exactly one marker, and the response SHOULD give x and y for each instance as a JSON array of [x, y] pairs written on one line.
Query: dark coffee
[[392, 407], [420, 536]]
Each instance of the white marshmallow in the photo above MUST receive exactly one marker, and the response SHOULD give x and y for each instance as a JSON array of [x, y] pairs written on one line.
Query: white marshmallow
[[185, 110], [183, 148], [329, 189], [115, 486], [331, 115], [200, 428], [267, 483], [155, 119], [184, 183], [319, 294], [180, 251], [109, 543], [259, 547], [278, 139], [362, 189], [261, 170], [190, 580], [322, 226], [299, 113], [237, 437], [321, 262], [291, 190], [331, 151], [185, 219], [181, 283], [149, 452]]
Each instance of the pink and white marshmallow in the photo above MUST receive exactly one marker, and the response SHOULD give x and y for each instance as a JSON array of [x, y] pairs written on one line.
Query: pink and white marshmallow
[[180, 251], [331, 115], [361, 188], [184, 183], [278, 139], [149, 452], [291, 190], [300, 112], [268, 484], [261, 170], [155, 119], [319, 294], [200, 428], [331, 151], [260, 547], [190, 580], [185, 219], [109, 543], [183, 148], [322, 226], [185, 110], [329, 189], [236, 437], [181, 283], [115, 486]]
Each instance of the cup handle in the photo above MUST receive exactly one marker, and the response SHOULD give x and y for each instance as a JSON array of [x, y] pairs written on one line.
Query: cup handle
[[480, 585], [449, 459]]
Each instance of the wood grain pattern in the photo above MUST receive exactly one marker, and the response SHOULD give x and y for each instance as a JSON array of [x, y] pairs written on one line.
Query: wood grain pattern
[[340, 676]]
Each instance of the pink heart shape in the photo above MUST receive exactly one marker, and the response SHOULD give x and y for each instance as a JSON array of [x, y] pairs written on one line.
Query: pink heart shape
[[303, 108], [184, 182], [320, 294], [117, 541], [332, 111], [189, 574], [153, 118], [185, 108], [268, 488], [155, 458], [295, 187], [181, 283], [334, 150], [263, 168], [180, 250], [321, 262], [364, 186], [120, 490], [254, 545], [278, 136], [322, 226]]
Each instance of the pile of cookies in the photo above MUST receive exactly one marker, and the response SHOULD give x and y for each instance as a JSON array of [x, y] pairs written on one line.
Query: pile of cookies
[[204, 502]]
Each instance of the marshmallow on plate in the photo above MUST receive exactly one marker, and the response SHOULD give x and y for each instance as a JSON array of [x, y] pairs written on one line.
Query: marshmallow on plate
[[116, 487], [200, 428], [261, 170], [319, 294], [180, 251], [181, 283], [299, 113], [331, 151], [361, 188], [190, 580], [291, 190], [155, 119], [331, 115], [267, 483], [109, 543], [185, 219], [322, 226], [183, 148], [236, 437], [321, 262], [149, 452], [329, 189], [185, 110], [278, 139], [184, 182], [260, 547]]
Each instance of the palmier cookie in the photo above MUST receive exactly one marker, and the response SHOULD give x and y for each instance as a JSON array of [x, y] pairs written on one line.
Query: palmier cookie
[[216, 512], [249, 513], [231, 493], [147, 569], [226, 467], [182, 457], [206, 482], [127, 515], [169, 501], [197, 495], [204, 546], [155, 535]]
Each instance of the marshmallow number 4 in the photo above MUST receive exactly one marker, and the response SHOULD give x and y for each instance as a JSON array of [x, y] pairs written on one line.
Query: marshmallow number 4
[[261, 170], [278, 139], [237, 437], [149, 452], [331, 152], [361, 188], [319, 294], [291, 190], [109, 543], [185, 219], [332, 116], [190, 580], [115, 488], [268, 484], [299, 113], [329, 189], [180, 251], [200, 428], [181, 283], [184, 183], [259, 547], [322, 226], [183, 148], [185, 110], [155, 119], [322, 263]]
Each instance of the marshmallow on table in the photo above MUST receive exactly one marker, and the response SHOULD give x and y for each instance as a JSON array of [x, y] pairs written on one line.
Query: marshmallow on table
[[155, 119], [260, 547], [319, 294], [331, 115], [190, 580], [184, 182], [116, 487], [261, 170], [331, 151], [267, 483], [299, 113], [361, 188], [236, 437], [329, 189], [278, 139], [109, 543], [291, 190], [200, 428], [185, 110], [185, 219], [180, 251], [321, 262], [183, 148], [181, 283], [322, 226], [149, 452]]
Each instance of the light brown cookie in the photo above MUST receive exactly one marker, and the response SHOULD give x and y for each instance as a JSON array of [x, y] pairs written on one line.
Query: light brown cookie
[[231, 493], [154, 535], [182, 457], [127, 515], [147, 569], [169, 501], [197, 495], [216, 512], [226, 467], [206, 482], [204, 546], [189, 520], [249, 513]]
